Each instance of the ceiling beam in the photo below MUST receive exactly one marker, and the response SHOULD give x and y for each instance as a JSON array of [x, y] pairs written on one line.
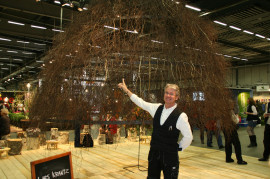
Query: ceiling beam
[[38, 8], [232, 44]]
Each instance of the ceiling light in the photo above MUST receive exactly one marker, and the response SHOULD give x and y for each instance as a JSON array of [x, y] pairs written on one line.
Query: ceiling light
[[227, 56], [244, 59], [24, 42], [85, 8], [134, 32], [5, 39], [57, 30], [4, 68], [38, 27], [109, 27], [268, 38], [39, 44], [204, 14], [4, 58], [16, 23], [27, 53], [29, 67], [155, 41], [18, 60], [57, 2], [39, 61], [248, 32], [236, 58], [11, 65], [218, 54], [220, 23], [193, 8], [258, 35], [10, 51], [235, 28]]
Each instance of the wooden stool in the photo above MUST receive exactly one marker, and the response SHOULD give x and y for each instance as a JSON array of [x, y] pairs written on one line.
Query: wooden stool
[[3, 143], [52, 144], [4, 150], [101, 139], [15, 146], [22, 135], [32, 143], [144, 138], [63, 137]]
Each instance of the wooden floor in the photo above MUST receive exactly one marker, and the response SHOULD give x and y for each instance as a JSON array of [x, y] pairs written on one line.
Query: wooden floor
[[118, 161]]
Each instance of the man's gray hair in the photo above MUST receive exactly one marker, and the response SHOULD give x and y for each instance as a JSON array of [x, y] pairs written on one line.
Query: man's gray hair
[[4, 110], [175, 87]]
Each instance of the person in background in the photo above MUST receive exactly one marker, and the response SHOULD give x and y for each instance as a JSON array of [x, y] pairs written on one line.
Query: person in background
[[251, 117], [233, 138], [168, 122], [4, 124], [213, 127], [266, 138]]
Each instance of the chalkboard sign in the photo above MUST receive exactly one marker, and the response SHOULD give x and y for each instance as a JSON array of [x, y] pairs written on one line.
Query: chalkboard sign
[[58, 166]]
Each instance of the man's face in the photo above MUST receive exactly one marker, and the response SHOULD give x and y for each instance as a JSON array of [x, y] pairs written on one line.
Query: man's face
[[170, 96]]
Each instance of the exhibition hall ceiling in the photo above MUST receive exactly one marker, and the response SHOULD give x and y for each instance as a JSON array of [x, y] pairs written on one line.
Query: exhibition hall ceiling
[[27, 29]]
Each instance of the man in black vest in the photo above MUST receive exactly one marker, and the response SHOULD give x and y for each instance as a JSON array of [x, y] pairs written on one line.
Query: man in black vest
[[266, 138], [168, 122]]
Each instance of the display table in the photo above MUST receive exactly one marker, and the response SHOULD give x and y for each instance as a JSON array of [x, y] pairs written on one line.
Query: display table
[[15, 146], [4, 150], [52, 144], [63, 137], [32, 143]]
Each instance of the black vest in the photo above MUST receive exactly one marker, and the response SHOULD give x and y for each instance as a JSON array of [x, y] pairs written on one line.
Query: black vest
[[165, 137], [250, 117]]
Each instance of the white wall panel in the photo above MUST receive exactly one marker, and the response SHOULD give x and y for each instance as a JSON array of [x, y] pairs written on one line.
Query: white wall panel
[[249, 76]]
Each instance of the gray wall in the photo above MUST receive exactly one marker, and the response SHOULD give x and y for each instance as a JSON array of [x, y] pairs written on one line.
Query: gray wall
[[248, 76]]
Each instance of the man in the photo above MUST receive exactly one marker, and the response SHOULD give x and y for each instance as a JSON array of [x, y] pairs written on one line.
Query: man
[[168, 122], [4, 124], [266, 138]]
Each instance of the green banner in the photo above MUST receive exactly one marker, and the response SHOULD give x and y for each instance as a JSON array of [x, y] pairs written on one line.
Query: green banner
[[242, 103]]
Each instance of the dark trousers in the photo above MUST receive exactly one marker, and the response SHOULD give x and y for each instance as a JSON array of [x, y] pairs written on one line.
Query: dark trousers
[[232, 139], [166, 161], [266, 141]]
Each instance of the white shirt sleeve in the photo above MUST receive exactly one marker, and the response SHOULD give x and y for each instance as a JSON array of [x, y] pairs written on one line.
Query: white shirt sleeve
[[254, 110], [149, 107], [266, 107], [184, 127]]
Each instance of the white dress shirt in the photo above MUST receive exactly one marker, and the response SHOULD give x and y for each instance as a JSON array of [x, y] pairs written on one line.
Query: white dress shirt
[[266, 112], [182, 122]]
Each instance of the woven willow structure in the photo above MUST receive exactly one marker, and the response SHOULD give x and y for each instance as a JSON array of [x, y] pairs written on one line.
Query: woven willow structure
[[147, 42]]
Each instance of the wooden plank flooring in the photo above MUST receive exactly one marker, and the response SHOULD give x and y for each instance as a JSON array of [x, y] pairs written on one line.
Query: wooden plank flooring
[[120, 161]]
